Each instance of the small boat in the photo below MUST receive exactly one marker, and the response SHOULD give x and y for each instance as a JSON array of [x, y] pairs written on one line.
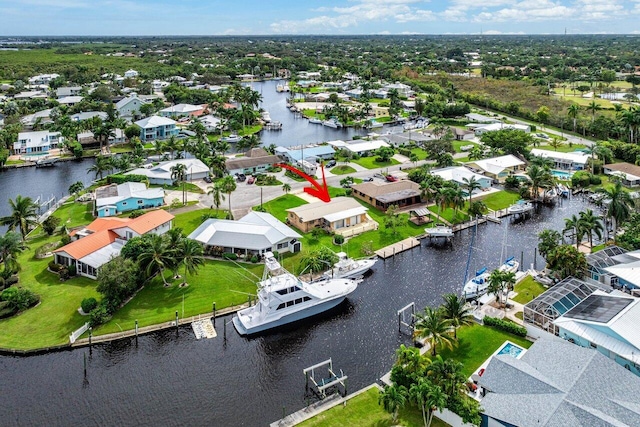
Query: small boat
[[286, 88], [562, 190], [439, 230], [44, 163], [315, 120], [520, 207], [274, 125], [231, 138], [349, 268], [266, 117], [375, 125], [510, 265], [332, 123], [478, 285], [284, 298], [280, 88]]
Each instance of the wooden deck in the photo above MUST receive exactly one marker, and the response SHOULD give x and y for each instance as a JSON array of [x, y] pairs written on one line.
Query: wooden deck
[[391, 250]]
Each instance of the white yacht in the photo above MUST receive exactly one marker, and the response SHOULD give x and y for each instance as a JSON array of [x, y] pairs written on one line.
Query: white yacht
[[348, 267], [332, 123], [520, 207], [315, 120], [280, 88], [510, 265], [283, 298], [478, 285], [231, 138], [439, 230]]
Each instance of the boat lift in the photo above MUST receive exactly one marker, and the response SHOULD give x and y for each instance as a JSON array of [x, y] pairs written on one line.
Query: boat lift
[[320, 386], [407, 317]]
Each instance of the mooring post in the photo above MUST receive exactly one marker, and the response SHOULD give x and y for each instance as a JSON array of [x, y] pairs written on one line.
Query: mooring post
[[224, 330], [136, 330], [521, 261], [85, 364], [535, 256], [399, 323], [90, 336], [249, 300], [214, 314]]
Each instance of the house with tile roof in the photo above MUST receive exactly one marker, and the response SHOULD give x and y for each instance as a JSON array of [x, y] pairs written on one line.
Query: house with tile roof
[[557, 384], [183, 110], [342, 215], [382, 195], [129, 196], [253, 234], [103, 239], [156, 127], [628, 173]]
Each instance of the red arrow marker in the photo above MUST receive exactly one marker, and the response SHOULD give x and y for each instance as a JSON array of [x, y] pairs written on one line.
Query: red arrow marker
[[320, 191]]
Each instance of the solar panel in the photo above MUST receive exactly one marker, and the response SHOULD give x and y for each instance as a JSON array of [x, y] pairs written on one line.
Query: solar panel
[[598, 308]]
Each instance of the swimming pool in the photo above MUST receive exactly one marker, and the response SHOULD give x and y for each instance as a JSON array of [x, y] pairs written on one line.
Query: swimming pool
[[561, 174], [511, 349]]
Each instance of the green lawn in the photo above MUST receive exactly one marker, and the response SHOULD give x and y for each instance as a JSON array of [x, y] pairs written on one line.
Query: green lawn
[[562, 148], [224, 283], [371, 163], [476, 343], [364, 410], [189, 221], [500, 200], [74, 214], [422, 154], [342, 170], [14, 162], [278, 207], [189, 187], [527, 290], [450, 215], [457, 144]]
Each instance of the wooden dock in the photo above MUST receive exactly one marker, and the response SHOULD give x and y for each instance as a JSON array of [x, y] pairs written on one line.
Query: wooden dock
[[396, 248]]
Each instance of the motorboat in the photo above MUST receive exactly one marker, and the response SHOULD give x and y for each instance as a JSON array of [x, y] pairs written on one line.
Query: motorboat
[[231, 138], [284, 298], [348, 267], [315, 120], [562, 190], [375, 124], [478, 285], [509, 265], [280, 88], [439, 230], [520, 207], [332, 123]]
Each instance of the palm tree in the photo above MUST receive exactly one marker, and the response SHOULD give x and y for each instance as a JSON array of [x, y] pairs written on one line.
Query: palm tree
[[540, 178], [591, 224], [227, 186], [102, 165], [620, 204], [11, 245], [393, 398], [593, 107], [500, 283], [448, 374], [190, 255], [178, 172], [434, 328], [436, 400], [411, 360], [426, 192], [419, 392], [470, 185], [574, 224], [286, 188], [216, 192], [23, 216], [456, 311], [157, 257], [573, 111]]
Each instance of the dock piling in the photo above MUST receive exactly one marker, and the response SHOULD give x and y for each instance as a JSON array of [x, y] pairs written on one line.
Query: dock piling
[[214, 314]]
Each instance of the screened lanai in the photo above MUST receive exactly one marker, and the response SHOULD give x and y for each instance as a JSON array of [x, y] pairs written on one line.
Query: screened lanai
[[542, 311]]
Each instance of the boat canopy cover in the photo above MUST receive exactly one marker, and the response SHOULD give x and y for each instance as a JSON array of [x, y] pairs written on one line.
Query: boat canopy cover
[[481, 271]]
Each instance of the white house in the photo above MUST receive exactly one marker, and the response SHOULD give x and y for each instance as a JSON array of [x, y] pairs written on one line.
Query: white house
[[458, 174], [41, 116], [576, 160], [498, 167], [43, 79], [36, 142], [360, 147], [161, 173], [62, 92], [182, 110], [70, 100], [131, 74], [480, 129], [86, 115], [210, 122], [404, 90], [254, 234]]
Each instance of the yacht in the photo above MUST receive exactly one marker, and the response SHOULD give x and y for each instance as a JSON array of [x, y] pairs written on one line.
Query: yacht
[[520, 207], [283, 298], [510, 265], [279, 88], [348, 267], [315, 120], [439, 230], [332, 123], [231, 138], [478, 285]]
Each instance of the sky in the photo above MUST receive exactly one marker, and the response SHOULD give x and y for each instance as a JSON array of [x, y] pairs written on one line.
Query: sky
[[331, 17]]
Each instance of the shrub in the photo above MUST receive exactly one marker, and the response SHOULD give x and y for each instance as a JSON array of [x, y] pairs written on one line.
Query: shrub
[[50, 224], [19, 298], [6, 309], [504, 325], [65, 240], [511, 182], [136, 213], [72, 270], [595, 180], [338, 239], [99, 315], [1, 283], [55, 267], [120, 179], [229, 255], [581, 179], [254, 259], [88, 304], [11, 280], [276, 254], [64, 273]]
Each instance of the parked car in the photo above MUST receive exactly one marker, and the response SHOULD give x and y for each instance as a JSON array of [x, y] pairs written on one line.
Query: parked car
[[378, 175], [330, 163], [391, 178], [367, 179], [207, 179], [251, 180], [241, 177]]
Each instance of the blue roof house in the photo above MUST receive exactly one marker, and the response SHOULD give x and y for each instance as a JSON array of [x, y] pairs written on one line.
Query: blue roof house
[[156, 127], [115, 199]]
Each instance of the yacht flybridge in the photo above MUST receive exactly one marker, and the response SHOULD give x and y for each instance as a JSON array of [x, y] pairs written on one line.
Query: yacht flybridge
[[284, 298]]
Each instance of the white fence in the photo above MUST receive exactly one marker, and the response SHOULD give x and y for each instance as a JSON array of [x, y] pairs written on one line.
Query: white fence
[[75, 334]]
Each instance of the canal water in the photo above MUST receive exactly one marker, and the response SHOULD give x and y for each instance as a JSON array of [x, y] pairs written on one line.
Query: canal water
[[170, 378]]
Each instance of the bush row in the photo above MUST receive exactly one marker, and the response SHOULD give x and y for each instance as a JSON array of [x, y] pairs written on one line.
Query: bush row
[[505, 325], [119, 179]]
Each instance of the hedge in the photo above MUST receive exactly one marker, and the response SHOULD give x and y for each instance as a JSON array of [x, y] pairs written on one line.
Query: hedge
[[119, 179], [231, 256], [505, 325]]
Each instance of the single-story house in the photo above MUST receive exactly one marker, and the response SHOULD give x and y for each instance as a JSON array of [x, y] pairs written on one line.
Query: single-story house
[[183, 110], [607, 323], [254, 160], [305, 153], [383, 195], [340, 215], [70, 101], [404, 90], [576, 160], [498, 168], [462, 134], [491, 127], [598, 263], [480, 118], [86, 115], [458, 174], [36, 142], [103, 239], [43, 79], [161, 173], [555, 384], [131, 74], [361, 147], [380, 111], [156, 127], [628, 173], [42, 116], [88, 138], [31, 94], [255, 233], [65, 91], [210, 122], [114, 199]]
